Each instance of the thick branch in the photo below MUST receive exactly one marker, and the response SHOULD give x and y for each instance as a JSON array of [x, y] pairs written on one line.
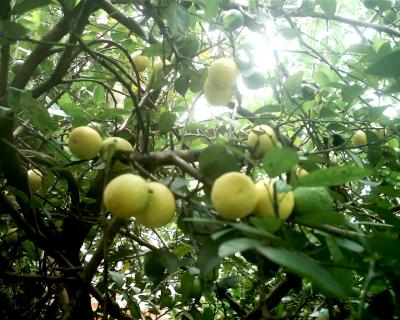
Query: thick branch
[[129, 23], [23, 277], [112, 307], [91, 267], [157, 158], [69, 52]]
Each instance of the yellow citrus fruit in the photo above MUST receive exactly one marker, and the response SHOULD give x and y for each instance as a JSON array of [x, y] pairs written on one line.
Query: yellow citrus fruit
[[141, 62], [261, 140], [126, 195], [84, 142], [271, 203], [159, 65], [234, 195], [160, 207], [223, 73], [300, 172], [359, 138], [35, 178], [119, 144], [216, 96]]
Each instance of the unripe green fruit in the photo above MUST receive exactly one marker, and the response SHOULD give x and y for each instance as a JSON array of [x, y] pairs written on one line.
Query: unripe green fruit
[[196, 291], [312, 200]]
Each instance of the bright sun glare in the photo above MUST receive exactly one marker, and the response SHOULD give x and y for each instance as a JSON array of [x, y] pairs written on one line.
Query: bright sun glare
[[262, 56]]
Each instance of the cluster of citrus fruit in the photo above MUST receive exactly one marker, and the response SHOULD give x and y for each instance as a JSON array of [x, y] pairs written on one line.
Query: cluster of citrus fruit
[[129, 195], [234, 195], [141, 62], [221, 79], [86, 143]]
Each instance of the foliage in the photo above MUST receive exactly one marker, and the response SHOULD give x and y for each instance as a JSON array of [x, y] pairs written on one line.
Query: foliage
[[309, 69]]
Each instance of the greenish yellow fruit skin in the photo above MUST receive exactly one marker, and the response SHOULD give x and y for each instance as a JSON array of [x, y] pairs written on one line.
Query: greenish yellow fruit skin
[[223, 73], [266, 201], [84, 142], [359, 138], [11, 236], [126, 195], [300, 172], [35, 179], [120, 144], [233, 195], [158, 65], [216, 96], [312, 200], [160, 207], [261, 140], [141, 62]]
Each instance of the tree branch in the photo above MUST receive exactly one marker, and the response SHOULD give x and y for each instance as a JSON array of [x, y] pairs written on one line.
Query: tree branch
[[91, 267], [345, 20], [41, 51], [129, 23]]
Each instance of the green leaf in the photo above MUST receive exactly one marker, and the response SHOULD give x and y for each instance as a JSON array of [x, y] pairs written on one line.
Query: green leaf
[[181, 85], [350, 93], [385, 245], [132, 305], [280, 160], [208, 256], [12, 29], [255, 81], [349, 245], [215, 160], [118, 278], [334, 176], [177, 18], [315, 219], [27, 5], [210, 6], [393, 88], [166, 122], [245, 228], [270, 225], [303, 266], [157, 263], [230, 247], [328, 6], [386, 66], [153, 266], [36, 112], [288, 32], [294, 81]]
